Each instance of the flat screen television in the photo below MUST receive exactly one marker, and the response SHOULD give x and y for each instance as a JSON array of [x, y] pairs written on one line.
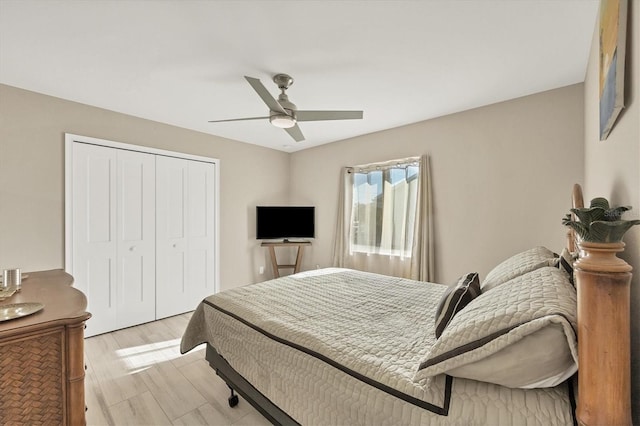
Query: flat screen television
[[275, 222]]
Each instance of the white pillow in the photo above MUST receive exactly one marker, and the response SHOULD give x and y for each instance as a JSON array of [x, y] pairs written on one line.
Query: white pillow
[[541, 369], [516, 265]]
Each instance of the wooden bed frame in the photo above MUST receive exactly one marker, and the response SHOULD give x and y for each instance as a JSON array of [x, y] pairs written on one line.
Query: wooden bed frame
[[604, 375]]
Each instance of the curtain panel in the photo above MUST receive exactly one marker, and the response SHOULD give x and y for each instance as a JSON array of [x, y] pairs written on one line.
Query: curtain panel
[[384, 222]]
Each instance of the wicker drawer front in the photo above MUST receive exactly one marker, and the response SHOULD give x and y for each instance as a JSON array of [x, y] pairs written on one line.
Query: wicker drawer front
[[31, 381]]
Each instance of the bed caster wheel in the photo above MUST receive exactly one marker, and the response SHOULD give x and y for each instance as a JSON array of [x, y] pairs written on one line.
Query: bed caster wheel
[[233, 401]]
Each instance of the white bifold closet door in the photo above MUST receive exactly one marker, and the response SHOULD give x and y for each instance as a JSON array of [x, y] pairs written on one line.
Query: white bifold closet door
[[185, 234], [114, 235]]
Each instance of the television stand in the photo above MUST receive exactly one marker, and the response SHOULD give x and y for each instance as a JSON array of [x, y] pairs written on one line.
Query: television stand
[[286, 243]]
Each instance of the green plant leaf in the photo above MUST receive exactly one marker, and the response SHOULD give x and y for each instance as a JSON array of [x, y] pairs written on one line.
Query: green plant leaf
[[580, 228], [609, 232], [613, 215], [599, 222], [600, 202], [591, 214]]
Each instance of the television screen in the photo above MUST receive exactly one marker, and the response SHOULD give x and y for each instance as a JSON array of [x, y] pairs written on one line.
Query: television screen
[[274, 222]]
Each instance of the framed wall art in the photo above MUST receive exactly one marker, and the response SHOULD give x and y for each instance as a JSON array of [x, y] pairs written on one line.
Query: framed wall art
[[612, 34]]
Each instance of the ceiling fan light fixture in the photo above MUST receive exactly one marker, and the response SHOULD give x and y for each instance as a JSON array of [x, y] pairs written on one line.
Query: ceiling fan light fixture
[[282, 121]]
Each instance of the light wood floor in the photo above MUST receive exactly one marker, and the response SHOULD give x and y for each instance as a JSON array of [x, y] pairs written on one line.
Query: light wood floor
[[137, 376]]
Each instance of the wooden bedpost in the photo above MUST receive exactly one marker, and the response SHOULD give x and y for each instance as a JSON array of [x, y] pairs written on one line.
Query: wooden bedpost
[[577, 202], [604, 353]]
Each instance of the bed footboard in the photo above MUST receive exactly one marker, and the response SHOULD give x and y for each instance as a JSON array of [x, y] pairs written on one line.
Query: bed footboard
[[239, 384]]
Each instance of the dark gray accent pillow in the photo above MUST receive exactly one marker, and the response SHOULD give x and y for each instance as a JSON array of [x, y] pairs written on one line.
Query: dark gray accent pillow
[[455, 298], [565, 262]]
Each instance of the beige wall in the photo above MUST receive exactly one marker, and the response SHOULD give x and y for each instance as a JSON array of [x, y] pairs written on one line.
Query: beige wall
[[32, 128], [612, 168], [502, 177], [493, 169]]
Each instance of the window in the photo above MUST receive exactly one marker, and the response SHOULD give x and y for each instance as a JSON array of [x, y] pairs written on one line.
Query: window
[[385, 219], [383, 212]]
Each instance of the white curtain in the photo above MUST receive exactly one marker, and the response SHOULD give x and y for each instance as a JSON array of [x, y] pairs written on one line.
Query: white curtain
[[385, 220]]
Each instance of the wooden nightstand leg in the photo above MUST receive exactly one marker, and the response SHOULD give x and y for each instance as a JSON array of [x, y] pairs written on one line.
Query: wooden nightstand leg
[[274, 262], [298, 260]]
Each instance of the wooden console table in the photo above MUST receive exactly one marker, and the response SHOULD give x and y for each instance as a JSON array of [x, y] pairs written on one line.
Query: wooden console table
[[42, 354], [274, 262]]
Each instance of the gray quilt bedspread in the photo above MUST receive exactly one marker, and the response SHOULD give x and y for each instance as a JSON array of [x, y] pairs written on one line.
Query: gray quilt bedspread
[[341, 347]]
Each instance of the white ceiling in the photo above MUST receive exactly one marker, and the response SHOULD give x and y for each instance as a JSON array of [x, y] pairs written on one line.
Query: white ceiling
[[183, 62]]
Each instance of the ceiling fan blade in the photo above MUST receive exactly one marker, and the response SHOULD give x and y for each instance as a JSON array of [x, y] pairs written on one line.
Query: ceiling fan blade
[[295, 133], [265, 95], [238, 119], [327, 115]]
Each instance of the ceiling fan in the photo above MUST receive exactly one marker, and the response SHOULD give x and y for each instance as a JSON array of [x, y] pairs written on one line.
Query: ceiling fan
[[285, 114]]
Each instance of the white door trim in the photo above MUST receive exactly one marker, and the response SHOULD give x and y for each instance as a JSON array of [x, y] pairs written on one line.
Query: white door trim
[[70, 139]]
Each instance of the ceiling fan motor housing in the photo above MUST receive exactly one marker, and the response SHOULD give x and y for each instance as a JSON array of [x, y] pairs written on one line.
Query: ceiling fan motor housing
[[284, 121], [283, 100]]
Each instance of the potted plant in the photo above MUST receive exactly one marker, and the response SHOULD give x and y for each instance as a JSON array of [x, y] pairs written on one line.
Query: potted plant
[[599, 223], [600, 230], [603, 286]]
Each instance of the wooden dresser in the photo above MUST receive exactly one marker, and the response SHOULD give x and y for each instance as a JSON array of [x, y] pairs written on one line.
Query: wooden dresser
[[42, 355]]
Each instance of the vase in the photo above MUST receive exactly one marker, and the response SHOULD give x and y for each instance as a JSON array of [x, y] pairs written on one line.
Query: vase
[[604, 353]]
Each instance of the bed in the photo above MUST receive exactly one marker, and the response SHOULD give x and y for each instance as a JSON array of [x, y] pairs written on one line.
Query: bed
[[337, 346]]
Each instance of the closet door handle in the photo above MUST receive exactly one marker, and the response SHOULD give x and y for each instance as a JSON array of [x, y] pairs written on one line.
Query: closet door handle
[[132, 248], [175, 245]]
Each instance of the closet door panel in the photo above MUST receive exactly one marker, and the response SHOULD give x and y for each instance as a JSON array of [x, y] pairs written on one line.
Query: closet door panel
[[200, 230], [136, 238], [94, 232], [184, 214], [198, 197], [198, 274], [101, 295], [175, 273], [171, 284]]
